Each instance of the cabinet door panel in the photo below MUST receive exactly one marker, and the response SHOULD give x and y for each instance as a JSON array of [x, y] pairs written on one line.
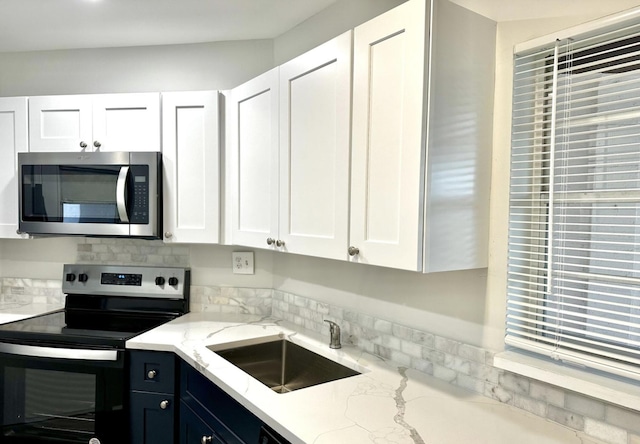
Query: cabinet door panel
[[13, 140], [60, 123], [253, 155], [191, 164], [126, 122], [150, 423], [388, 147], [193, 430], [315, 96]]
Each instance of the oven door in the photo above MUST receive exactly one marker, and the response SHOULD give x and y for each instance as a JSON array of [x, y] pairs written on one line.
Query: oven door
[[102, 194], [51, 396]]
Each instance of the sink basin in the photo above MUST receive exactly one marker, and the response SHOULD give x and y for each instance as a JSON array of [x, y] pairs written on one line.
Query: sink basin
[[282, 365]]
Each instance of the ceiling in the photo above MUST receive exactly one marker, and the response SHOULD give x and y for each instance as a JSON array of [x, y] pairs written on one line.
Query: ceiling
[[28, 25]]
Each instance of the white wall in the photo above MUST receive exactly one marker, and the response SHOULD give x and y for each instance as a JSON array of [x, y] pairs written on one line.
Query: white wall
[[333, 21], [205, 66]]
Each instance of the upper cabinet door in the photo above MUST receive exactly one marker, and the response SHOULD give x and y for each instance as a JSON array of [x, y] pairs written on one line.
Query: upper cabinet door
[[252, 122], [315, 104], [13, 140], [105, 122], [126, 122], [388, 149], [191, 164], [60, 123]]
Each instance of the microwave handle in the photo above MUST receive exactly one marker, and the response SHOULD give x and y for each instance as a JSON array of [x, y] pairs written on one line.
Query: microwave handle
[[121, 197]]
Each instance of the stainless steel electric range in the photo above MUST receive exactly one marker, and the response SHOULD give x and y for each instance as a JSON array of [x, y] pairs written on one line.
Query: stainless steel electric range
[[63, 375]]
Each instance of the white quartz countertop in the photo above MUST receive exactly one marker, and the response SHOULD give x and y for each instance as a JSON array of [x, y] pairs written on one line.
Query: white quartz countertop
[[384, 404], [14, 311]]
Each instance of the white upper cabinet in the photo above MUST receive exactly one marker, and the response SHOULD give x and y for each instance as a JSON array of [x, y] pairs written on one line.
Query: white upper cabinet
[[315, 105], [191, 164], [60, 123], [387, 154], [289, 135], [13, 140], [252, 161], [105, 122], [126, 122], [421, 138]]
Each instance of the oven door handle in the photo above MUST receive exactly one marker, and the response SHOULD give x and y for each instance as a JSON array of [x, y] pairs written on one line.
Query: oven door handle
[[59, 353], [121, 197]]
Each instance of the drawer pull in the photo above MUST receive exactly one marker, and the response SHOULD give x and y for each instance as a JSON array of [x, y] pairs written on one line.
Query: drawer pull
[[151, 374], [164, 404], [206, 440]]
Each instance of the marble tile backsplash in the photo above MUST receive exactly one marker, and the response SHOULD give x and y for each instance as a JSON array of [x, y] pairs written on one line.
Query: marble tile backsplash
[[30, 291], [253, 301], [131, 252]]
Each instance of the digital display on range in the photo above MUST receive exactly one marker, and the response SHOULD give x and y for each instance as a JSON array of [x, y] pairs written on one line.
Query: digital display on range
[[121, 279]]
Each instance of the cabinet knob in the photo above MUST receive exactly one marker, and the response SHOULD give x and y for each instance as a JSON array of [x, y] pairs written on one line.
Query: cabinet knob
[[168, 234], [97, 144], [353, 251], [206, 440], [270, 241], [164, 404], [83, 145], [279, 243], [151, 374]]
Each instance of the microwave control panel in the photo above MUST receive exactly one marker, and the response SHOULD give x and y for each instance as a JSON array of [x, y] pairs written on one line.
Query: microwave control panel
[[139, 204]]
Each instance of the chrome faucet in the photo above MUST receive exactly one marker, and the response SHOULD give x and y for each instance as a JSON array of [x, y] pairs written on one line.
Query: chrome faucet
[[334, 330]]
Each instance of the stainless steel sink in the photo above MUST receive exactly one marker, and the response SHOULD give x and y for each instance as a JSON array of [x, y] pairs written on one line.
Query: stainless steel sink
[[284, 366]]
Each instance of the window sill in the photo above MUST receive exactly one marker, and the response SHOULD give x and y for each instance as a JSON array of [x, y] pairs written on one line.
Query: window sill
[[625, 393]]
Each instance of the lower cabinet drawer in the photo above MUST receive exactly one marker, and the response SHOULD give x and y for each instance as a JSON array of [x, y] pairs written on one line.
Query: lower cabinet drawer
[[152, 371], [194, 430]]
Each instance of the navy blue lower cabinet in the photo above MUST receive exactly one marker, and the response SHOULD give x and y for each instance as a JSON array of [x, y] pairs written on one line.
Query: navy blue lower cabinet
[[152, 418], [193, 429], [228, 420], [152, 399]]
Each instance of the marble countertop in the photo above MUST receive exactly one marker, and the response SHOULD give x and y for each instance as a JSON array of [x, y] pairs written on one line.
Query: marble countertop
[[384, 404], [14, 311]]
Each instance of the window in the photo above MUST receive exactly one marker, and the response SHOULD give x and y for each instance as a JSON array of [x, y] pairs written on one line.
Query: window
[[574, 218]]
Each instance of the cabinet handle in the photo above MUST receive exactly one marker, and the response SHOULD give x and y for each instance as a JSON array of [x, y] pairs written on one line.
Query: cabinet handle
[[279, 243], [206, 440], [151, 374], [353, 251], [270, 241], [168, 234], [164, 404], [97, 144], [83, 145]]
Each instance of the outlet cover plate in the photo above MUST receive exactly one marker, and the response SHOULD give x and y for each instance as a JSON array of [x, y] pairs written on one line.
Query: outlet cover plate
[[242, 262]]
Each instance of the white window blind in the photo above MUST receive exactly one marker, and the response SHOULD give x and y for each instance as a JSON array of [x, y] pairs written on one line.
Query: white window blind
[[574, 227]]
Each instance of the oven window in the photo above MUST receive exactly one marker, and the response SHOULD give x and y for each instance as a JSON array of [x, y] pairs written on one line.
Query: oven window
[[49, 403], [60, 399]]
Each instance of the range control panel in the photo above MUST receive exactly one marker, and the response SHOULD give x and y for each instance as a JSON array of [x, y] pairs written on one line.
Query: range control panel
[[116, 280]]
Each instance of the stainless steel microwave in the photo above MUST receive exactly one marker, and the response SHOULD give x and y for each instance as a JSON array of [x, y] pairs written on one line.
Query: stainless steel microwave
[[116, 194]]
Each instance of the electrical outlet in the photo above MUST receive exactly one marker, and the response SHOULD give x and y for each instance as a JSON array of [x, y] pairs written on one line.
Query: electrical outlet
[[242, 262]]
